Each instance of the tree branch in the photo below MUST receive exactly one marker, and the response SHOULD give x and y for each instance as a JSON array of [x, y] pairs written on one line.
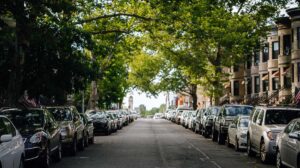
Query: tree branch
[[113, 15], [109, 31]]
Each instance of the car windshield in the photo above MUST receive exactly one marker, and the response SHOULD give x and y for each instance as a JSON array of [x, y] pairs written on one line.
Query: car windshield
[[281, 116], [97, 115], [26, 120], [214, 111], [238, 110], [244, 123], [61, 114]]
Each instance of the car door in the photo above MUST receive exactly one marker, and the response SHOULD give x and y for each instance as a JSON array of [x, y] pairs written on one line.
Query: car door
[[53, 130], [257, 132], [284, 149], [292, 146], [232, 131], [6, 148], [253, 126]]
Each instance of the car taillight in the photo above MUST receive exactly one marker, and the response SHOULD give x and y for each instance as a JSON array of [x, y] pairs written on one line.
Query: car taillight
[[270, 135]]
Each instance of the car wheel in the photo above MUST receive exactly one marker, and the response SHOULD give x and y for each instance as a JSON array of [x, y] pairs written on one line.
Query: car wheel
[[92, 140], [228, 142], [58, 155], [278, 160], [86, 140], [74, 147], [45, 161], [21, 165], [81, 143], [214, 136], [249, 149], [220, 139], [236, 146], [263, 153]]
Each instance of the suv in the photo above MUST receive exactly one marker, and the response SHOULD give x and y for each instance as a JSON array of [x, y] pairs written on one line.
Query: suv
[[264, 125], [227, 114], [207, 120], [72, 128]]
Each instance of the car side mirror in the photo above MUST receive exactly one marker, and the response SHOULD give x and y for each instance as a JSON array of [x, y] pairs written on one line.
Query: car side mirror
[[294, 136], [6, 138]]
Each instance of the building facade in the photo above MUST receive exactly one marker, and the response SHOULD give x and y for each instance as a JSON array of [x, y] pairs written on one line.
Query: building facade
[[272, 73]]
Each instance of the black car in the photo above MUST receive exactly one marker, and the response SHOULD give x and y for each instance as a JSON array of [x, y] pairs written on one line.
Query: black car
[[40, 132], [101, 121]]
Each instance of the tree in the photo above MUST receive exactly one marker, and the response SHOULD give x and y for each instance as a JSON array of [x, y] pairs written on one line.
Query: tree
[[142, 109]]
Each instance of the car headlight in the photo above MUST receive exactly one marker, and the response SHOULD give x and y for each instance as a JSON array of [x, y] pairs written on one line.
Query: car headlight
[[270, 135], [36, 138]]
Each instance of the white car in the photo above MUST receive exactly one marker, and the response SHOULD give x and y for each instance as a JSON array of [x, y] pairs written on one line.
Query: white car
[[237, 133], [11, 145], [158, 116]]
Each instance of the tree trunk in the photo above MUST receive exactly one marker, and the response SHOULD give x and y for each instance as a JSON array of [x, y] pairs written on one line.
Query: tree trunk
[[16, 74], [194, 95]]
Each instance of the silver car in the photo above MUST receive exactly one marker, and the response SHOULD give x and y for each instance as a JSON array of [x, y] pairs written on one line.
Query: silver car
[[288, 145], [264, 125], [237, 133], [11, 145]]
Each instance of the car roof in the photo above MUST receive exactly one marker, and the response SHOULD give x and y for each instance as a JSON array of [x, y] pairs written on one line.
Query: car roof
[[237, 105], [277, 108]]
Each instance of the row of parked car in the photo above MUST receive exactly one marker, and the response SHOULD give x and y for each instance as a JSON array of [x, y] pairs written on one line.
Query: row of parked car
[[271, 132], [41, 135]]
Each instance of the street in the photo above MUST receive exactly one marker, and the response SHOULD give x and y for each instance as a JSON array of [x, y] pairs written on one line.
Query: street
[[150, 143]]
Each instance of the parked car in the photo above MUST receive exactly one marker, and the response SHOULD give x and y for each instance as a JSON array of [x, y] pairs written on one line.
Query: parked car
[[225, 118], [198, 120], [187, 119], [88, 129], [208, 120], [179, 112], [102, 123], [40, 132], [157, 116], [12, 152], [237, 133], [265, 123], [288, 145], [72, 128], [114, 121], [192, 121]]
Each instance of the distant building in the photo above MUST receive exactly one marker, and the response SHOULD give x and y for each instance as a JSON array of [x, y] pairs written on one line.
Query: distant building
[[130, 103]]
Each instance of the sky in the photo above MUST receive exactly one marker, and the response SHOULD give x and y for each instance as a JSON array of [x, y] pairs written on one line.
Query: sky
[[141, 98]]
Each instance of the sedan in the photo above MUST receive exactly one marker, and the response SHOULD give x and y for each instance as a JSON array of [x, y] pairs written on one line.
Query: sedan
[[102, 123], [11, 145], [40, 132], [237, 133], [288, 145]]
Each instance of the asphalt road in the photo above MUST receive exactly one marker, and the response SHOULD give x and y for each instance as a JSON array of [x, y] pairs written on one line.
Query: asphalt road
[[149, 143]]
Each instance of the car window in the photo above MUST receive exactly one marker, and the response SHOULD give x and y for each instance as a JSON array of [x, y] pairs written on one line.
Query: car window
[[289, 127], [6, 127], [255, 115], [260, 117], [237, 110], [296, 127], [61, 114], [281, 116], [244, 123]]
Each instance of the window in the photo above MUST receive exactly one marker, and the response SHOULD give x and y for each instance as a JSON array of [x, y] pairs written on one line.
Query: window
[[255, 115], [260, 117], [298, 71], [248, 62], [286, 44], [289, 128], [296, 127], [235, 68], [275, 50], [265, 84], [256, 58], [293, 72], [256, 84], [298, 37], [287, 82], [236, 88], [281, 116], [275, 83], [249, 86], [265, 53]]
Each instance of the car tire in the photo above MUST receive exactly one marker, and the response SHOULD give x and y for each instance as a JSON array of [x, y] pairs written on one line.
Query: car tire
[[73, 150], [250, 152], [46, 159], [92, 140], [236, 146], [264, 158], [278, 160], [214, 136], [228, 142], [58, 153], [220, 139], [81, 143], [21, 165], [86, 140]]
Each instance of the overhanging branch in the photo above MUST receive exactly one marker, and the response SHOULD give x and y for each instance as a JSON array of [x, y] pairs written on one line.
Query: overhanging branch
[[109, 31], [113, 15]]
